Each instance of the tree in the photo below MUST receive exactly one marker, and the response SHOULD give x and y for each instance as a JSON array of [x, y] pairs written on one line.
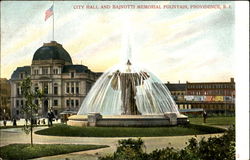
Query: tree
[[30, 108]]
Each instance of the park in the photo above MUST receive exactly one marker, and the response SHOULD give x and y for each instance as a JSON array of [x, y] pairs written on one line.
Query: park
[[96, 142]]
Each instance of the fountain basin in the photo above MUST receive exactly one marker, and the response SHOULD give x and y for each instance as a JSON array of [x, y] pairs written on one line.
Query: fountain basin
[[98, 120]]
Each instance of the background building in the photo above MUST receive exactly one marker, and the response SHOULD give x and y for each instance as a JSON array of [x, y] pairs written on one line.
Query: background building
[[65, 85], [4, 99], [216, 97]]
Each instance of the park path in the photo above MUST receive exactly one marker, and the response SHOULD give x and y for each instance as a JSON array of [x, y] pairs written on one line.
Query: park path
[[16, 135]]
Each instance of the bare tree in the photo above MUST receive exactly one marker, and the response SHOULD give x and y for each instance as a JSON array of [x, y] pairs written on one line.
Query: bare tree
[[30, 108]]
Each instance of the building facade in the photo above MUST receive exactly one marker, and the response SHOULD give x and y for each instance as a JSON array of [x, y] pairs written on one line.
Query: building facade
[[218, 97], [64, 84], [4, 99]]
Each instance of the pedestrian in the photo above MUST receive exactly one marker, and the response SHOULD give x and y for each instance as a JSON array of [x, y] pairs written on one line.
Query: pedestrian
[[51, 116], [204, 116], [43, 121], [14, 122], [38, 122], [4, 123]]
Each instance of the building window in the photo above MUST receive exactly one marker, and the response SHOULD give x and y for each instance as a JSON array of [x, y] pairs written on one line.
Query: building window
[[35, 71], [21, 102], [55, 102], [77, 102], [21, 76], [72, 88], [45, 71], [17, 102], [46, 88], [72, 102], [55, 90], [67, 87], [55, 71], [67, 103], [17, 91], [17, 112], [77, 88], [72, 74], [36, 87]]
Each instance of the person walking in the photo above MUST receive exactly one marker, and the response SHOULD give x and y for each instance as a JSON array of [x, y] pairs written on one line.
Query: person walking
[[14, 122], [51, 116], [43, 121], [4, 122], [204, 116]]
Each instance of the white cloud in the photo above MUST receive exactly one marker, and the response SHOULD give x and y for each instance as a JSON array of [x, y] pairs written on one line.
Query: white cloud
[[182, 46]]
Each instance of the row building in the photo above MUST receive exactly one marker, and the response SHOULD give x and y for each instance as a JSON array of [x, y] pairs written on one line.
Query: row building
[[5, 106], [216, 97]]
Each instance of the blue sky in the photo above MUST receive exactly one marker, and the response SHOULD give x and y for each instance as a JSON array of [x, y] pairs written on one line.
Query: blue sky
[[175, 44]]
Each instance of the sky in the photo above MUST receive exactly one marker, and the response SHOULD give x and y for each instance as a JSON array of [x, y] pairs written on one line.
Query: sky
[[195, 45]]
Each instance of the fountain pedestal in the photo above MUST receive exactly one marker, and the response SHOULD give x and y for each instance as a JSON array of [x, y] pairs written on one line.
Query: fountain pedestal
[[97, 120], [172, 117], [93, 118]]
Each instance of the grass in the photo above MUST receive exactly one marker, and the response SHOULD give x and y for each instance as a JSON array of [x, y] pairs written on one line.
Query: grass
[[25, 151], [72, 131], [216, 121], [20, 126]]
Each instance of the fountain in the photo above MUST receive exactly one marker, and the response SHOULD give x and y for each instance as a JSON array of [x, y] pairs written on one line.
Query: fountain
[[128, 95]]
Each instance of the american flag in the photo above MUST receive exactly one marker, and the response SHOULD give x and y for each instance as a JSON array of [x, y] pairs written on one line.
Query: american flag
[[49, 13]]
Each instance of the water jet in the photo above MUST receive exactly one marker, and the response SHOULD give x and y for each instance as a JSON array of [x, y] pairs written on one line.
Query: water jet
[[128, 95]]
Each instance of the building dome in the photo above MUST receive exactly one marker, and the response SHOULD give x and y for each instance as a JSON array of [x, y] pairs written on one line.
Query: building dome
[[52, 51]]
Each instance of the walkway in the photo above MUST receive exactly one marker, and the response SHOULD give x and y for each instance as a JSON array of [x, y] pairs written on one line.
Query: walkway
[[16, 135]]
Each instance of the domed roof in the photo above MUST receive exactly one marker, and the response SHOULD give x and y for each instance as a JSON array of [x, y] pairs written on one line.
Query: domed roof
[[52, 50]]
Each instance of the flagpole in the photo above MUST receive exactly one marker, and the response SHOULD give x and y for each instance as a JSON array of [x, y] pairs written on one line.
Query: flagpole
[[53, 38]]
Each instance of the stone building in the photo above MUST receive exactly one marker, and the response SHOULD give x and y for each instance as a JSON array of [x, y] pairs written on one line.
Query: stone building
[[217, 97], [65, 85], [4, 99]]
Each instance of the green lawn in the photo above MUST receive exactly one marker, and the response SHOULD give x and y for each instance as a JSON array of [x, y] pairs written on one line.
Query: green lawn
[[5, 127], [64, 130], [217, 121], [25, 151]]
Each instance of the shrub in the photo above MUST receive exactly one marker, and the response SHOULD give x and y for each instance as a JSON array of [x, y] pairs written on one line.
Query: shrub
[[214, 148], [128, 149]]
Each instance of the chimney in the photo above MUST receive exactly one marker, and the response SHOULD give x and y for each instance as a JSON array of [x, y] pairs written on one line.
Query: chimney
[[232, 80]]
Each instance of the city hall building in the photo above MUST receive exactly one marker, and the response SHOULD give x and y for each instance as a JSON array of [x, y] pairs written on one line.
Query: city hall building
[[64, 84]]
